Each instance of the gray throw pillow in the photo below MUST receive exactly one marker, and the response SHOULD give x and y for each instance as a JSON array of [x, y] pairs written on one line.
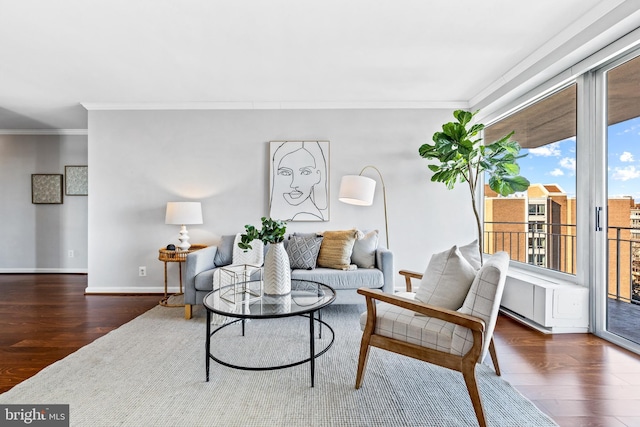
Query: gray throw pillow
[[224, 254], [364, 250], [447, 280], [303, 251]]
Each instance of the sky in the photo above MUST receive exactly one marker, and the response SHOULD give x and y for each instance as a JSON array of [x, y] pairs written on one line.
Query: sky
[[555, 163], [623, 157]]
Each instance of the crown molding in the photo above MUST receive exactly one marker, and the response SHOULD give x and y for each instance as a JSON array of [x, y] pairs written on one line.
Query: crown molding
[[44, 132], [288, 105]]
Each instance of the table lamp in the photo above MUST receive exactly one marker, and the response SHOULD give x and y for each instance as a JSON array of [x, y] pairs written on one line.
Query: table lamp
[[183, 213]]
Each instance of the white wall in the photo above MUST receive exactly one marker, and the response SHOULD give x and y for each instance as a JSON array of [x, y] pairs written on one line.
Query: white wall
[[140, 160], [37, 238]]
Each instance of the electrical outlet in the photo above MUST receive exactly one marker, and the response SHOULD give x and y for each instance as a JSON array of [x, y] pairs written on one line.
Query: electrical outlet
[[142, 271], [71, 254]]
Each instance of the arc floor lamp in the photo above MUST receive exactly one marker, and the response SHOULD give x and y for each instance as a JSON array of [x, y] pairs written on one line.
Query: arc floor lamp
[[359, 190]]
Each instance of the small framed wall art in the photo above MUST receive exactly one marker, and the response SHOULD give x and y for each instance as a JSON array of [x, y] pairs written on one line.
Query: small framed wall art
[[76, 180], [46, 188]]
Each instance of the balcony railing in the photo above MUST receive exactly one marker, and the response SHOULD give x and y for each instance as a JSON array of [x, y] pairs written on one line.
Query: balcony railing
[[553, 246], [547, 245], [624, 251]]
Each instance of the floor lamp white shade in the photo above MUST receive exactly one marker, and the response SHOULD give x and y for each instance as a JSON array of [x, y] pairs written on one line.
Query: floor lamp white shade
[[359, 190], [183, 213]]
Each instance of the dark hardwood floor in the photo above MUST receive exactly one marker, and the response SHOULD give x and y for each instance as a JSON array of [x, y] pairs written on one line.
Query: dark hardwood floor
[[46, 317], [578, 379]]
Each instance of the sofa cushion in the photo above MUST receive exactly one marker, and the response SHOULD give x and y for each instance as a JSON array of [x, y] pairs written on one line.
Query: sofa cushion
[[253, 256], [336, 249], [447, 280], [364, 250], [303, 251], [224, 255], [339, 279]]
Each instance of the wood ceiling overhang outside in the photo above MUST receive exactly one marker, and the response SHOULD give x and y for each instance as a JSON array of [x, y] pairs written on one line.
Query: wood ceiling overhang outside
[[553, 118]]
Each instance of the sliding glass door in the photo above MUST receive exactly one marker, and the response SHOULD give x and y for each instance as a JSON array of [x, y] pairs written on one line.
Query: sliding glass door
[[617, 202]]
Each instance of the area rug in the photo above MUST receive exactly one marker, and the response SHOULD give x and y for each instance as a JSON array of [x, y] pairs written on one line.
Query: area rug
[[151, 372]]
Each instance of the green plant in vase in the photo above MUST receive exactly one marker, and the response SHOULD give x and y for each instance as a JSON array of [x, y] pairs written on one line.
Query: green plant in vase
[[272, 231], [277, 271], [462, 157]]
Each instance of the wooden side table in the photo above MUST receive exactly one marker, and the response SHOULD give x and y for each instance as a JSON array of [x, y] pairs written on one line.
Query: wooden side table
[[166, 255]]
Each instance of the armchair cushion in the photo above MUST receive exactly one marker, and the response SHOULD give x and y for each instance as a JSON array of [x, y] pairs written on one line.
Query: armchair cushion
[[402, 324], [483, 301], [447, 280], [471, 253]]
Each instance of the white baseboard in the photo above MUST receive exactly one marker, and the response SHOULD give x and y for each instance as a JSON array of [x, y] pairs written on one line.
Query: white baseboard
[[43, 271], [552, 330], [129, 290]]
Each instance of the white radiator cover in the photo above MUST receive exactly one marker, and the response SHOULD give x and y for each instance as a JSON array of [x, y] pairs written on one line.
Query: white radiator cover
[[546, 304]]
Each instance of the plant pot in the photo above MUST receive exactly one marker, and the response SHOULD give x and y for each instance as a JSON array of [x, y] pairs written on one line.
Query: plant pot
[[277, 270]]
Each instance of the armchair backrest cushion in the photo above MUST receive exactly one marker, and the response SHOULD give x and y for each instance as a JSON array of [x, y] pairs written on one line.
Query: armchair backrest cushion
[[483, 301], [471, 253], [447, 280]]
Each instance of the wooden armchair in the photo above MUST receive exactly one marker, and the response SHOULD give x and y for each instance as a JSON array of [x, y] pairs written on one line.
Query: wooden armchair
[[459, 340]]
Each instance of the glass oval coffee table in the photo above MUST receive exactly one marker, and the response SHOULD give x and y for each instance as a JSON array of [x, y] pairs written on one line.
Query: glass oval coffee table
[[242, 301]]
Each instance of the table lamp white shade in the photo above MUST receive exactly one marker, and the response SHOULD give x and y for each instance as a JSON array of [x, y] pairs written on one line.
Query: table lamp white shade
[[183, 213], [357, 190]]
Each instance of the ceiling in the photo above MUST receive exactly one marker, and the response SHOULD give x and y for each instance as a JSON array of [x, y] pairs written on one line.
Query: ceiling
[[55, 55]]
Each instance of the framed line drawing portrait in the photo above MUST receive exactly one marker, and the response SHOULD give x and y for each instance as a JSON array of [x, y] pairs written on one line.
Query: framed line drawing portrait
[[76, 182], [46, 188], [299, 180]]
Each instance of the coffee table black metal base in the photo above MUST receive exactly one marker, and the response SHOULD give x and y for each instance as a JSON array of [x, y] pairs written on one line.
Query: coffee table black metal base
[[312, 351], [307, 299]]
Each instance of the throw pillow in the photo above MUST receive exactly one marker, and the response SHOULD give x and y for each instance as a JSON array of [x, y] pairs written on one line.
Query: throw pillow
[[224, 254], [303, 251], [364, 250], [336, 249], [447, 280], [471, 254], [307, 234]]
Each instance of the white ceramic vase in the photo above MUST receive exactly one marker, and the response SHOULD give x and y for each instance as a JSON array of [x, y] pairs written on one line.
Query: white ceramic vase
[[280, 303], [277, 270]]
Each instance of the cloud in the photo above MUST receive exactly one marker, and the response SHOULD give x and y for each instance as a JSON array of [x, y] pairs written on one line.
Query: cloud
[[549, 150], [556, 172], [626, 157], [626, 173], [568, 163]]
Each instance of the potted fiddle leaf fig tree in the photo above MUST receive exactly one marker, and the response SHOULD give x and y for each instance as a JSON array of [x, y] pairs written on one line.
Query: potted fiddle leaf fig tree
[[461, 156]]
